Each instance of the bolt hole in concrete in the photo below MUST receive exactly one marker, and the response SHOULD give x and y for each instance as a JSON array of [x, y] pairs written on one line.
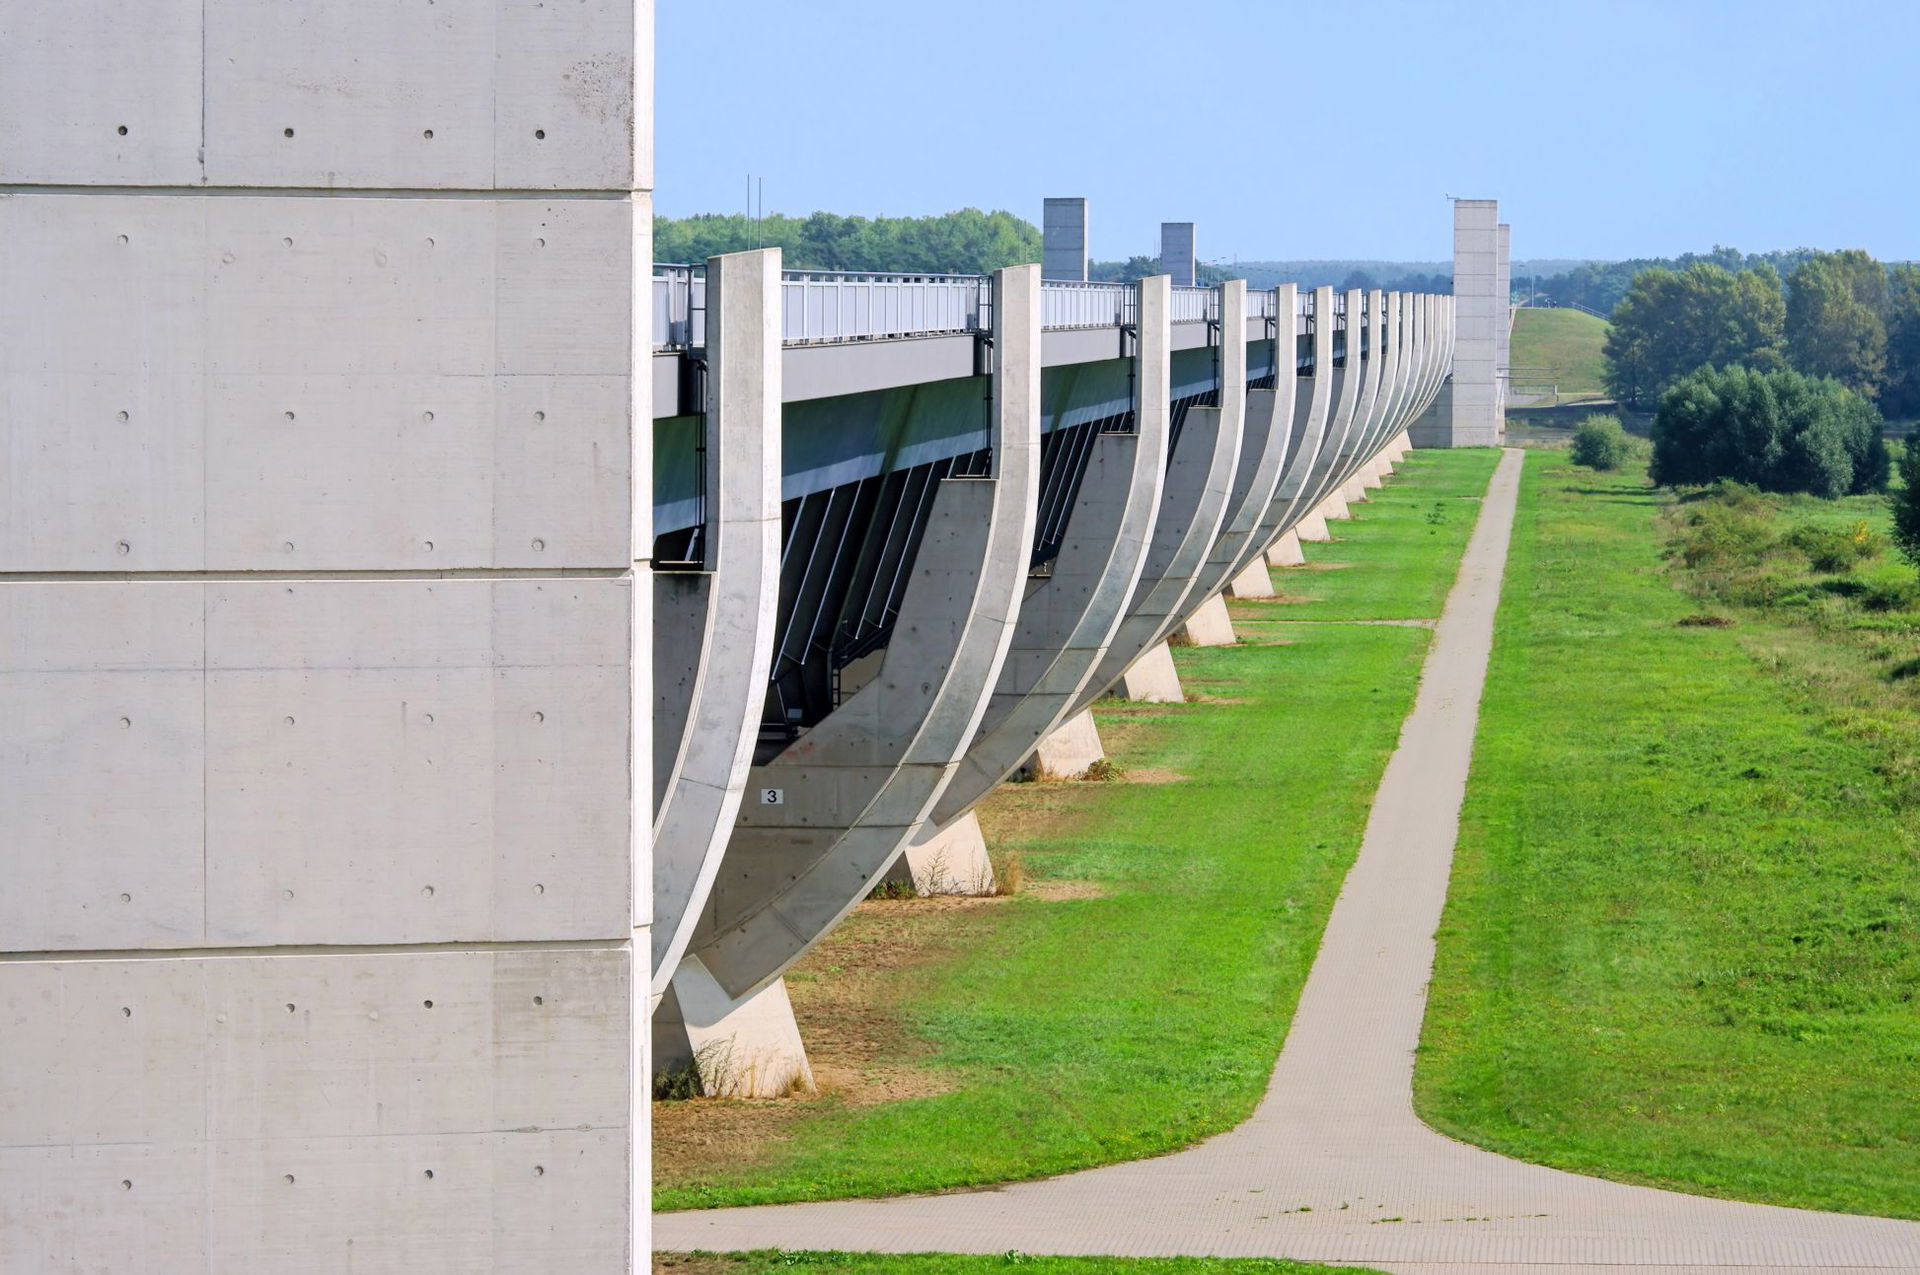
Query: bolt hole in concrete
[[427, 133], [429, 241], [126, 1184], [539, 546], [289, 1007], [121, 238], [538, 888], [287, 415], [540, 134], [429, 1175], [539, 416], [286, 132], [287, 894], [122, 130], [539, 243], [539, 1171], [539, 1000], [122, 548], [539, 716], [287, 720], [288, 1179], [427, 1004], [426, 416], [427, 545], [428, 719], [125, 897], [126, 1011], [286, 546], [120, 415], [126, 723]]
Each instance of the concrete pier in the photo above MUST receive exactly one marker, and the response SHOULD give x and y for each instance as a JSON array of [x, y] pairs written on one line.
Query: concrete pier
[[323, 595]]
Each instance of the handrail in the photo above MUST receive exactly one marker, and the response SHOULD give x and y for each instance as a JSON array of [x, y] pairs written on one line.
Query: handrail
[[830, 306]]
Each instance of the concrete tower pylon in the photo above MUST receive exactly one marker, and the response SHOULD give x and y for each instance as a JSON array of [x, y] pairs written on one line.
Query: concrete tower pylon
[[324, 696]]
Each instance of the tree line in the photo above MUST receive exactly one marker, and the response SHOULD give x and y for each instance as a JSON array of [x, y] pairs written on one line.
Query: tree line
[[1601, 285], [965, 242], [1838, 315]]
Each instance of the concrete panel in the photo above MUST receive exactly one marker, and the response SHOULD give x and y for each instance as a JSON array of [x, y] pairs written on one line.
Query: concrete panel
[[509, 95], [208, 395], [102, 762], [446, 1111], [370, 743], [101, 92]]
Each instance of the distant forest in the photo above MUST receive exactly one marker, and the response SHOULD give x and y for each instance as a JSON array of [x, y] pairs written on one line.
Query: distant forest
[[974, 242]]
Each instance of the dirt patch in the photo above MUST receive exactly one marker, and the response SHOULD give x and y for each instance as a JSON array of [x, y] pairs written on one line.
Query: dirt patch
[[1318, 566], [1053, 891], [1153, 775], [1224, 699]]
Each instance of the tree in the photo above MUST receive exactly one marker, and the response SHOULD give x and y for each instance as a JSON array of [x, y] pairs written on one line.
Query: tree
[[1836, 319], [965, 242], [1775, 430], [1671, 323], [1905, 506], [1900, 397]]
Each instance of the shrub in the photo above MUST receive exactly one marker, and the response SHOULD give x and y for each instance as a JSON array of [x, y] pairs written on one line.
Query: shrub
[[1905, 504], [1779, 431], [1835, 549], [1600, 443]]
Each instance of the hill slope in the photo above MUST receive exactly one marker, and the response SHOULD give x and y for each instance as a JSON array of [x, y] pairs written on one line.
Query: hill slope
[[1566, 341]]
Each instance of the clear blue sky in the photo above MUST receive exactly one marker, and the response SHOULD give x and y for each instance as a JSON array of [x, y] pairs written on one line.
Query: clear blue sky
[[1331, 129]]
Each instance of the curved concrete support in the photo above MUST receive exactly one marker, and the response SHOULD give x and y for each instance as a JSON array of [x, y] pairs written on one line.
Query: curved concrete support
[[1348, 384], [742, 1047], [1267, 427], [1192, 503], [1291, 498], [839, 803], [713, 629], [1368, 412], [1066, 620]]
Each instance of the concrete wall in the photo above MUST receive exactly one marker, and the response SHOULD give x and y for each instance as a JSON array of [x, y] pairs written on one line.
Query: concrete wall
[[1474, 412], [1177, 252], [318, 362], [1063, 240]]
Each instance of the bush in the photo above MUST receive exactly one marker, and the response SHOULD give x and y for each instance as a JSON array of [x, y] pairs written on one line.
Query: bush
[[1600, 443], [1905, 504], [1778, 431], [1836, 549]]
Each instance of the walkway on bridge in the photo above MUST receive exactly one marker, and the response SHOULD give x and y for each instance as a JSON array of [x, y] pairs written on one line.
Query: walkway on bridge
[[1334, 1166]]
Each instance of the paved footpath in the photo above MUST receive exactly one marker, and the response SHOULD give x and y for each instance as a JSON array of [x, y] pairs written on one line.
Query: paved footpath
[[1334, 1166]]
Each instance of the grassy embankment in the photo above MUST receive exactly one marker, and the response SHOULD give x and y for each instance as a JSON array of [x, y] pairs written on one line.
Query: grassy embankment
[[1132, 1000], [1567, 341], [1682, 944], [957, 1264]]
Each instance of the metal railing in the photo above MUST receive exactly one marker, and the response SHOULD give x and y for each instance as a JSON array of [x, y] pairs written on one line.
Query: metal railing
[[1071, 304], [821, 305], [824, 306], [1193, 305]]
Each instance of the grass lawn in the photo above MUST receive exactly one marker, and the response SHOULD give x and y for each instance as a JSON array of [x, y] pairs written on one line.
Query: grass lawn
[[1132, 999], [1682, 943], [1566, 340], [959, 1264], [1383, 566]]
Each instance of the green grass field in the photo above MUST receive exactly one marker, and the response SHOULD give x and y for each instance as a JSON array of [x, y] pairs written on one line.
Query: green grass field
[[1682, 944], [1566, 340], [956, 1264], [1142, 1011]]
